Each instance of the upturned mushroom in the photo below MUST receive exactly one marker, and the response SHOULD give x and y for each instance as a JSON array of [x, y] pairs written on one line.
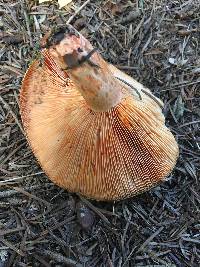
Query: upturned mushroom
[[93, 129]]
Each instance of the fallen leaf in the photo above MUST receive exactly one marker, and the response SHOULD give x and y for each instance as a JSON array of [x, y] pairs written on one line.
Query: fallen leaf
[[11, 38], [63, 3], [179, 107], [114, 8], [42, 1]]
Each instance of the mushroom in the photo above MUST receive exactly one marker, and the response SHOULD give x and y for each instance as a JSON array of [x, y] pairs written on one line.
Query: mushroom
[[93, 129]]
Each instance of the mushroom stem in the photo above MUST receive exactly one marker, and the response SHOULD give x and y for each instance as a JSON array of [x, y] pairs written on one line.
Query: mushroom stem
[[136, 90], [97, 85], [88, 71]]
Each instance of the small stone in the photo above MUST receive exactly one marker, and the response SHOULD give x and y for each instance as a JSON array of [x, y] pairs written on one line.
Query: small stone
[[172, 61], [85, 216]]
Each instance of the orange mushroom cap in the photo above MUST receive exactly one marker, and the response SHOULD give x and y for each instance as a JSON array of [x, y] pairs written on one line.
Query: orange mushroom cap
[[90, 131]]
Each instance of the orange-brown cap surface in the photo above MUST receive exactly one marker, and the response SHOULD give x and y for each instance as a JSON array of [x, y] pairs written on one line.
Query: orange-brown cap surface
[[104, 155]]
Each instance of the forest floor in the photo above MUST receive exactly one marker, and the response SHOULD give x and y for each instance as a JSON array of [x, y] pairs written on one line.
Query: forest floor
[[156, 42]]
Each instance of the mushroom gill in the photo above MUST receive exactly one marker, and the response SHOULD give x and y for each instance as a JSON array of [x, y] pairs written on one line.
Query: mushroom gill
[[90, 130]]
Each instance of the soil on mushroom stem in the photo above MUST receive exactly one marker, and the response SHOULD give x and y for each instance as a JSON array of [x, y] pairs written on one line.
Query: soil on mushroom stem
[[43, 225]]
